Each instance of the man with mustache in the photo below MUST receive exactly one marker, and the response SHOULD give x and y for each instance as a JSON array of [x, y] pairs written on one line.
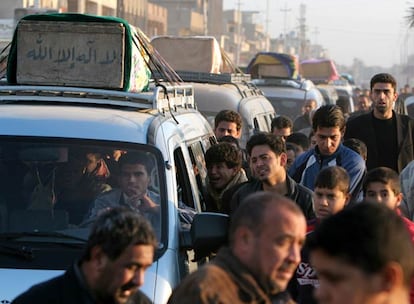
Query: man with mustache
[[389, 136], [120, 248], [133, 193], [328, 125], [266, 235], [268, 160]]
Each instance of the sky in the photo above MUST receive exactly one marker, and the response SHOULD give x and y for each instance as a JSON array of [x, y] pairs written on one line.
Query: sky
[[374, 31]]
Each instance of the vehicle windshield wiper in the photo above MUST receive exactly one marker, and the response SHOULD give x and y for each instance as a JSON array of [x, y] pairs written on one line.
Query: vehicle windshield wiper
[[16, 235], [20, 251]]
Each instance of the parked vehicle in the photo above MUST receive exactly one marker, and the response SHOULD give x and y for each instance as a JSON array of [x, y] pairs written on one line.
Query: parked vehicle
[[46, 134], [323, 71], [277, 75], [287, 96], [218, 85], [329, 93], [345, 93], [216, 92]]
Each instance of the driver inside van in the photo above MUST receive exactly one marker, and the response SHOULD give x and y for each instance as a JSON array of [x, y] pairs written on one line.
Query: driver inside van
[[133, 192]]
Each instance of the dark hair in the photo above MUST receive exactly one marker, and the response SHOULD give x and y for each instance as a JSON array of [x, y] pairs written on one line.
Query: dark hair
[[132, 158], [253, 208], [230, 116], [223, 153], [383, 78], [276, 144], [300, 139], [294, 147], [384, 175], [116, 229], [329, 116], [333, 177], [229, 139], [357, 145], [367, 236], [281, 122]]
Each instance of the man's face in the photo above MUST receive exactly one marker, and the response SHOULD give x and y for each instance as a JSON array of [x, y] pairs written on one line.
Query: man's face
[[341, 283], [328, 201], [91, 162], [283, 133], [134, 179], [383, 97], [291, 156], [266, 165], [219, 175], [275, 253], [227, 128], [309, 106], [377, 192], [120, 278], [364, 103], [328, 140]]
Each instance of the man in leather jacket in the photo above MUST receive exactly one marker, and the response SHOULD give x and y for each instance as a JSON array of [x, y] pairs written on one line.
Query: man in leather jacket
[[268, 161]]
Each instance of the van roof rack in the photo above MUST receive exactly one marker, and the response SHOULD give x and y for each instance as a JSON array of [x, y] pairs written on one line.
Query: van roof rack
[[162, 98], [190, 76]]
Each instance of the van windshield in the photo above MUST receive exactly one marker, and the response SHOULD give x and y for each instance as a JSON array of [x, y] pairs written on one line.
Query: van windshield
[[51, 185]]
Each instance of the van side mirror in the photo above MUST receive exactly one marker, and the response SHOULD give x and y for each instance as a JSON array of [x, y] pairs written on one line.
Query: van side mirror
[[208, 232]]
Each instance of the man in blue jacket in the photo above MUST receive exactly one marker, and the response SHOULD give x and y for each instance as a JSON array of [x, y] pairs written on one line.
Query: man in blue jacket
[[328, 124]]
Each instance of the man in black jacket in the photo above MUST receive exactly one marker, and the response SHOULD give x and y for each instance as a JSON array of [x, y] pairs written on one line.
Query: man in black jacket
[[268, 161], [120, 248], [389, 136]]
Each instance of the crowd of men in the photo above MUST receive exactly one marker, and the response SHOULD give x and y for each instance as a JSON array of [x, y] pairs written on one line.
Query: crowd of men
[[320, 210]]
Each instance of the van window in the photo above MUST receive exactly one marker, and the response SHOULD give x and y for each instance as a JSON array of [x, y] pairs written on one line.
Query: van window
[[49, 184]]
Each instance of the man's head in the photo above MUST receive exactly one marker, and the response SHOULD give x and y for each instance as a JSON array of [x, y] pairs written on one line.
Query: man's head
[[292, 151], [383, 95], [299, 139], [309, 105], [223, 162], [382, 185], [362, 254], [230, 139], [282, 126], [120, 248], [267, 153], [364, 102], [266, 234], [228, 122], [328, 125], [357, 145], [331, 193], [134, 173]]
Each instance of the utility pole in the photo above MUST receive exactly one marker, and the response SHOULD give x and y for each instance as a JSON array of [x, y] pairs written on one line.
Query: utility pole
[[285, 11], [120, 8], [302, 32], [205, 17], [238, 24], [267, 21]]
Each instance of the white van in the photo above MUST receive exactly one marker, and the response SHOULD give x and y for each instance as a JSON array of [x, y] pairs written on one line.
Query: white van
[[216, 92], [47, 137]]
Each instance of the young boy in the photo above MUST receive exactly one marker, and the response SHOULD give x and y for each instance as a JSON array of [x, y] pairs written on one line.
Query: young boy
[[331, 195], [382, 185]]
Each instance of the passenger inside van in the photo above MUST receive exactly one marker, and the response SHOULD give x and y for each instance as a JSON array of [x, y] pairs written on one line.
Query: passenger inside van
[[134, 181]]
